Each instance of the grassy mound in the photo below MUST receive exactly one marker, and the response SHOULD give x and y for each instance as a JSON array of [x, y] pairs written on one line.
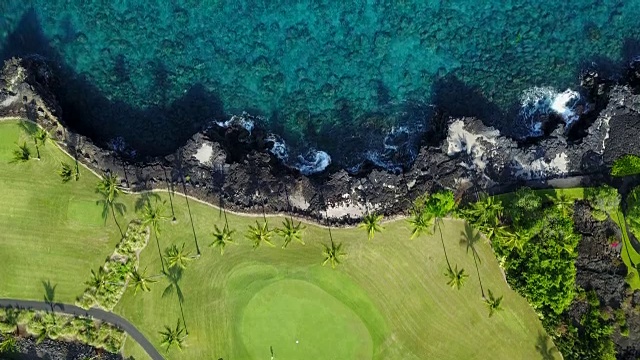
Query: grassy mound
[[388, 300]]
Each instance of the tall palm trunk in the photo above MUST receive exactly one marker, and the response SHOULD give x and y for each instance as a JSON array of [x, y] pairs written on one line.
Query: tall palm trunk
[[442, 240], [170, 190], [124, 170], [226, 221], [159, 252], [113, 212], [186, 198]]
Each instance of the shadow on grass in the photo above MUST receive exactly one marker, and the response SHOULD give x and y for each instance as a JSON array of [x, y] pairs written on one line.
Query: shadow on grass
[[545, 348]]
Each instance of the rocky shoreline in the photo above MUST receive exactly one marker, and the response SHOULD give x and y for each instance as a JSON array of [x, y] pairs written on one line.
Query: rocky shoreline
[[234, 165]]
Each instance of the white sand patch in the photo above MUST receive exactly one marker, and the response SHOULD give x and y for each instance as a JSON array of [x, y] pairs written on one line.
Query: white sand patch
[[204, 154], [346, 208], [604, 121], [298, 201], [540, 168], [461, 140], [9, 100]]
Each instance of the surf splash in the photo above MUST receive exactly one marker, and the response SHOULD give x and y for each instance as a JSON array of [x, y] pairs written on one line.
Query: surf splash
[[311, 162], [538, 104]]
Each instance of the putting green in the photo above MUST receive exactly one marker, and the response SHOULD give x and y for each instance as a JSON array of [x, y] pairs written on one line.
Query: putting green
[[300, 320]]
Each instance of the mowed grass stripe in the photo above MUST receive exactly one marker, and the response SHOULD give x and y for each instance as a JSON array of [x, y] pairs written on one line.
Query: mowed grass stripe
[[37, 241], [394, 286]]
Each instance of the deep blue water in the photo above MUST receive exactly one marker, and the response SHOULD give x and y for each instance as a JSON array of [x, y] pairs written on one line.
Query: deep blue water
[[334, 75]]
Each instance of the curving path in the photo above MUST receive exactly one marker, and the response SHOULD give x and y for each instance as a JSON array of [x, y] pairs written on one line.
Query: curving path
[[105, 316]]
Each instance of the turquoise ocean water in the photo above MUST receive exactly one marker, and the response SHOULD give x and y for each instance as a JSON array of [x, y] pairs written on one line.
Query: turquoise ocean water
[[348, 77]]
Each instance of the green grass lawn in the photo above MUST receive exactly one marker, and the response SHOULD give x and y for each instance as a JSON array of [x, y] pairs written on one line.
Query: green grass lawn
[[388, 300], [49, 231]]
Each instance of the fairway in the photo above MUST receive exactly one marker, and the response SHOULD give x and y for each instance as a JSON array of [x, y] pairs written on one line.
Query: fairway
[[387, 300]]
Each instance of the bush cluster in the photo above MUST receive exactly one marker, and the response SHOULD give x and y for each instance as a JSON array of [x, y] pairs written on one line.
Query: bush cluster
[[590, 339], [535, 241], [110, 281], [44, 325], [626, 165]]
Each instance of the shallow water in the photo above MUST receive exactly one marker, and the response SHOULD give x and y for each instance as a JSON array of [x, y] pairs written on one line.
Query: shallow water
[[338, 76]]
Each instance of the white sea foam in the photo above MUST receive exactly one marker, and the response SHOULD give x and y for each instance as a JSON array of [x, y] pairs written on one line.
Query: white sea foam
[[279, 148], [398, 139], [241, 121], [538, 102], [314, 161], [564, 105]]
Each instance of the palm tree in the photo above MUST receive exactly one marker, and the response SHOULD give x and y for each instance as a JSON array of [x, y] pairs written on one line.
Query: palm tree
[[66, 172], [486, 211], [494, 303], [221, 238], [40, 138], [291, 231], [172, 337], [440, 204], [470, 238], [333, 254], [110, 190], [12, 317], [175, 256], [22, 153], [563, 203], [371, 224], [98, 280], [260, 234], [420, 221], [456, 278], [174, 276], [9, 345], [140, 281], [152, 216], [47, 328], [514, 240]]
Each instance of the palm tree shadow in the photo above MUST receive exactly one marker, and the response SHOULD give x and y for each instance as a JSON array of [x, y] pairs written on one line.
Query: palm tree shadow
[[145, 199], [29, 128], [50, 294], [544, 349], [174, 276], [178, 171], [470, 237]]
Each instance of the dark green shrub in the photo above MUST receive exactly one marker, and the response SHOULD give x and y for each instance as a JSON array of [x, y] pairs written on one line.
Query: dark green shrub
[[604, 201], [626, 165]]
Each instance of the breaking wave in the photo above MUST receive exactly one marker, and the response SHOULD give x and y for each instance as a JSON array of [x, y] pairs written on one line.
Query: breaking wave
[[539, 103], [311, 162]]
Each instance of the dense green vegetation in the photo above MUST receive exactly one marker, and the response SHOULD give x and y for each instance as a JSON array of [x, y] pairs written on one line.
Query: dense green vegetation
[[44, 325], [626, 165], [533, 236], [248, 302], [535, 243], [591, 338]]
